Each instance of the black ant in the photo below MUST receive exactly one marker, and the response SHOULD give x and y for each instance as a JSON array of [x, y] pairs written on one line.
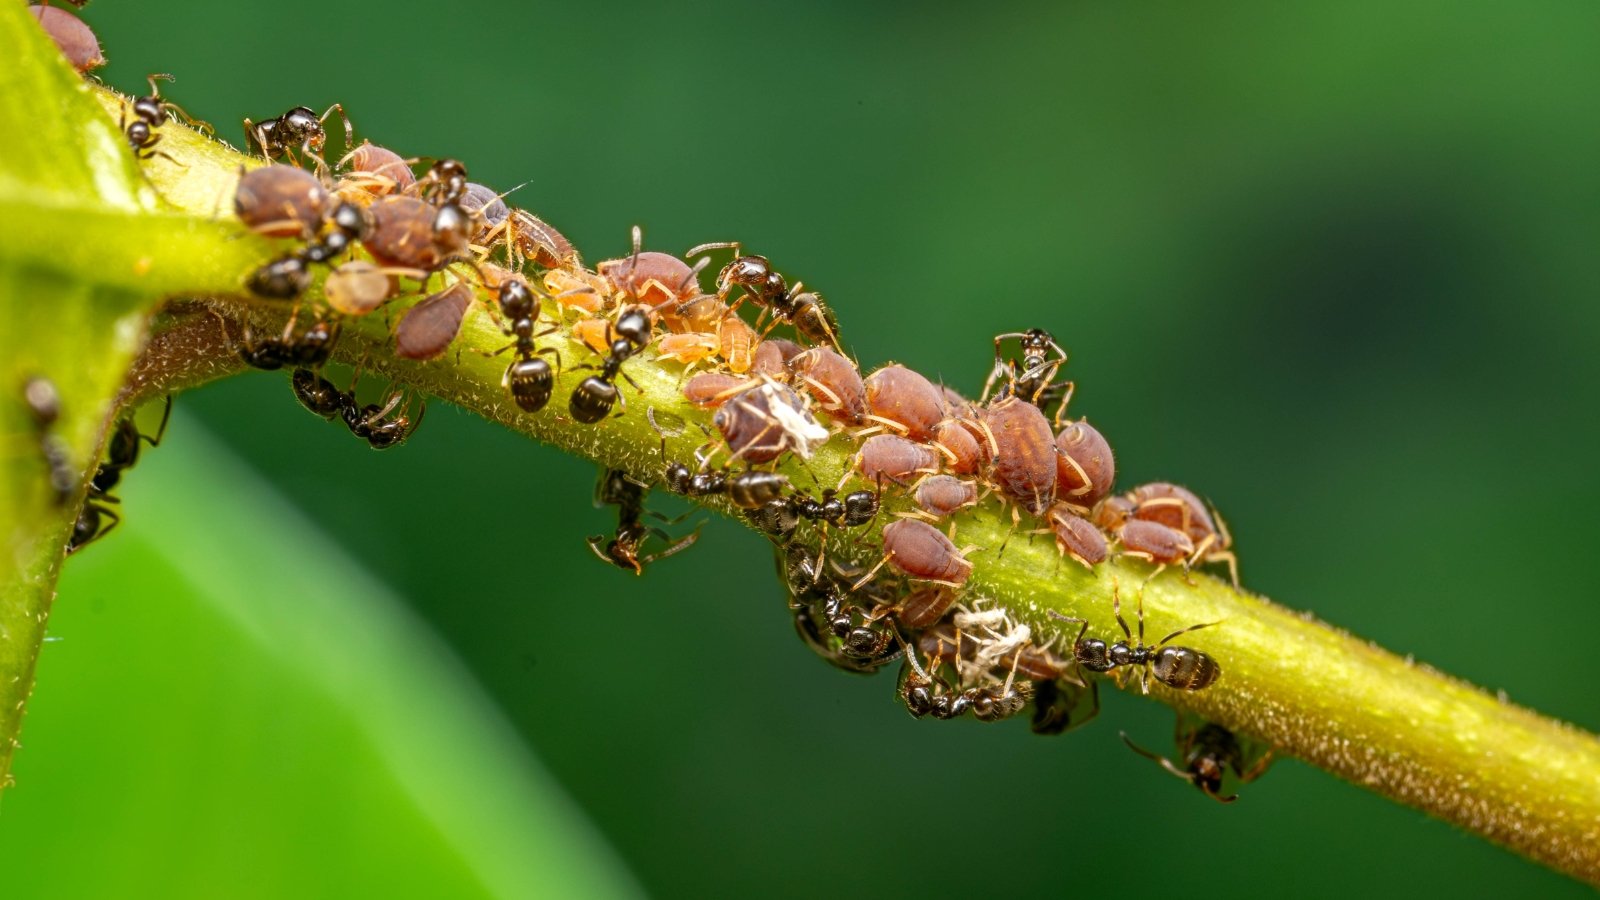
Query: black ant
[[299, 127], [1208, 751], [372, 423], [310, 349], [853, 509], [615, 488], [747, 490], [595, 396], [925, 694], [44, 404], [148, 115], [833, 627], [811, 318], [1042, 358], [445, 186], [1180, 668], [319, 395], [122, 453], [289, 275], [529, 377]]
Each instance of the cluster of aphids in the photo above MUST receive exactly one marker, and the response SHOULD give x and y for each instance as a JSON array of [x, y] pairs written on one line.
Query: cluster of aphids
[[383, 226]]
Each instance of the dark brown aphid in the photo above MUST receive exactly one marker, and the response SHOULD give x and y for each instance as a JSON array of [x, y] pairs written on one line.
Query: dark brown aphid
[[299, 128], [709, 389], [1025, 462], [764, 422], [1208, 751], [1076, 536], [377, 170], [904, 399], [893, 458], [921, 551], [1180, 668], [1085, 467], [811, 318], [281, 201], [1154, 542], [925, 605], [427, 329], [659, 281], [402, 234], [1033, 377], [771, 358], [834, 381], [941, 495], [76, 40], [44, 405], [964, 453], [487, 206]]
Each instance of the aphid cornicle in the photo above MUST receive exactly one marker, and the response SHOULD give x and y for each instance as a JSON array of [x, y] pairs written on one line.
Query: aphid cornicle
[[1180, 668]]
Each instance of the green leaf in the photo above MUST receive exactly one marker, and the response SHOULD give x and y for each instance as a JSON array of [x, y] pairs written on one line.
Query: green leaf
[[87, 250], [233, 708]]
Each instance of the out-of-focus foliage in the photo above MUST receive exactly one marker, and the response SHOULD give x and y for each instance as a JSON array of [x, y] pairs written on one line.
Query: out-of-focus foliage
[[1331, 266], [229, 707]]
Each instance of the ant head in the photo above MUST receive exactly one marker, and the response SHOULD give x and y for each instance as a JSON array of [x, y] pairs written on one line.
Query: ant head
[[633, 326]]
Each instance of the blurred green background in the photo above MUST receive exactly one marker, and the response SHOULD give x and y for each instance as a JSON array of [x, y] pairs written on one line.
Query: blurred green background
[[1334, 267]]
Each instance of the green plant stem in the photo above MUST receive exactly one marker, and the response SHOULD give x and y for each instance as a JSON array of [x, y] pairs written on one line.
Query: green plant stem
[[1524, 781]]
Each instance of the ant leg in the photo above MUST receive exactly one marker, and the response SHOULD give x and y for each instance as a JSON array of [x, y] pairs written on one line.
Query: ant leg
[[1116, 610], [161, 430]]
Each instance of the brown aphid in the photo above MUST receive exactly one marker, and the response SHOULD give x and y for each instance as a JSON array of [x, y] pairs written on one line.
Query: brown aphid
[[357, 287], [941, 495], [893, 458], [710, 389], [1109, 514], [834, 381], [1076, 536], [533, 238], [736, 341], [1154, 542], [1025, 464], [762, 423], [921, 551], [1179, 508], [772, 358], [899, 396], [1085, 467], [660, 281], [402, 234], [76, 40], [964, 454], [376, 170], [925, 606], [281, 201], [954, 403], [427, 329], [1173, 506]]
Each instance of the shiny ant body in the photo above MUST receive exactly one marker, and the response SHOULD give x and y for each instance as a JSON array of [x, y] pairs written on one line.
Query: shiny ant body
[[288, 276], [371, 423], [310, 349], [805, 310], [1180, 668], [829, 622], [615, 488], [148, 114], [299, 127], [445, 186], [1208, 751], [594, 398], [529, 377], [96, 519]]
